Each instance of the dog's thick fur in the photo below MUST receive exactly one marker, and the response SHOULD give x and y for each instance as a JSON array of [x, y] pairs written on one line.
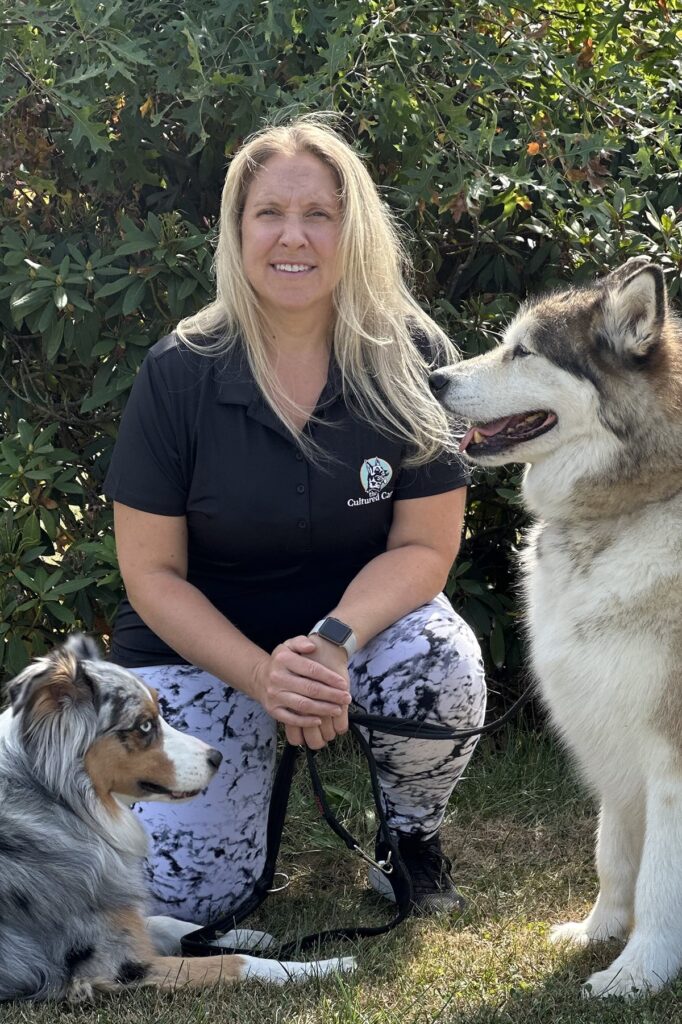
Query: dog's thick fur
[[599, 371], [83, 740]]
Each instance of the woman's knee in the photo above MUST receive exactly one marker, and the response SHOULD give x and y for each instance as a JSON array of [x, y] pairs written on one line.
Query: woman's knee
[[427, 665]]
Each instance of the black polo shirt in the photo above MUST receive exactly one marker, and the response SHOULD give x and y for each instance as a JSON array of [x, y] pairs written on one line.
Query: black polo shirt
[[274, 539]]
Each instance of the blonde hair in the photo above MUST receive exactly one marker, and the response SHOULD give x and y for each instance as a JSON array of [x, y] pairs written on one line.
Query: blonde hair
[[375, 316]]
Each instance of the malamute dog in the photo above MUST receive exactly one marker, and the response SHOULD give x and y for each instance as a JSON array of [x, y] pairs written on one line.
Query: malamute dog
[[84, 739], [586, 388]]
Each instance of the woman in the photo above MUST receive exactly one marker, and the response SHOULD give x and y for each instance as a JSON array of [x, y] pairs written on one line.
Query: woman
[[286, 515]]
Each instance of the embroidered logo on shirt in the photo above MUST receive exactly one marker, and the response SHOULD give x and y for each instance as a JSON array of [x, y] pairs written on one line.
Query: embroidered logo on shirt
[[375, 476]]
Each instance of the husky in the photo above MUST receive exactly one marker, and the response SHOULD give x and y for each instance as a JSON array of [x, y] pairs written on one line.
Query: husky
[[82, 740], [586, 388]]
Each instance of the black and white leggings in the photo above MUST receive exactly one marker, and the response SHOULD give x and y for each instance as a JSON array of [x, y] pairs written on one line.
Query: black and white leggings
[[207, 853]]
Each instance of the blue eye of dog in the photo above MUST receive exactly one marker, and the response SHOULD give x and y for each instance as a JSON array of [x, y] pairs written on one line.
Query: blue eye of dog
[[146, 726], [521, 350]]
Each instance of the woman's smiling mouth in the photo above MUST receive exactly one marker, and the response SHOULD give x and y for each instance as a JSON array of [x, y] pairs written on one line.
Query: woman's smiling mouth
[[292, 268]]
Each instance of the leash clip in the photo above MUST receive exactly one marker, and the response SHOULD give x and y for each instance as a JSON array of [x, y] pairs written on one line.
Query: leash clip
[[383, 865], [285, 884]]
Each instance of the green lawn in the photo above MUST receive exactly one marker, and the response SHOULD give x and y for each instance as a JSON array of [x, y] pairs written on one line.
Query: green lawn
[[521, 834]]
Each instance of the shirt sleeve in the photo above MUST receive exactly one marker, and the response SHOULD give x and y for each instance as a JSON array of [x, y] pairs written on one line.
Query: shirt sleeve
[[445, 473], [147, 470]]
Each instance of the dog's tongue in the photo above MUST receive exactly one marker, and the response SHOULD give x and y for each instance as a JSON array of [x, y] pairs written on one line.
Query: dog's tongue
[[487, 429]]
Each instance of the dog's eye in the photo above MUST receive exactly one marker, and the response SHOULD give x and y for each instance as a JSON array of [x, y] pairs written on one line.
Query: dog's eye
[[521, 350], [146, 726]]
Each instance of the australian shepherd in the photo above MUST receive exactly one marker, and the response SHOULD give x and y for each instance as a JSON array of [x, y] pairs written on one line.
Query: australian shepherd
[[83, 740]]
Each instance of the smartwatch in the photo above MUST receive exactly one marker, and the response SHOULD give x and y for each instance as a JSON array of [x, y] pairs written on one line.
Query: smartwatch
[[336, 632]]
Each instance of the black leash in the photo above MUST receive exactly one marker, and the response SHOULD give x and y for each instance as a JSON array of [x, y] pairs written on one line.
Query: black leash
[[199, 942]]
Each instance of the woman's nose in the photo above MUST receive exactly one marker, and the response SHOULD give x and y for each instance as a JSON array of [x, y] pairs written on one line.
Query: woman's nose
[[293, 233]]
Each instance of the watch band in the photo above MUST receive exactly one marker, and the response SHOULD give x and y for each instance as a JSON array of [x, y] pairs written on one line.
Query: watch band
[[336, 632]]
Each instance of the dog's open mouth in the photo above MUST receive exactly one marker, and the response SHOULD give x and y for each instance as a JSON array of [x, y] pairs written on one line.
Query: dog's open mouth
[[174, 794], [506, 432]]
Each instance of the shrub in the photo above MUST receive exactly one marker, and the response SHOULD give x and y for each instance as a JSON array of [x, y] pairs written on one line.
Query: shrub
[[520, 147]]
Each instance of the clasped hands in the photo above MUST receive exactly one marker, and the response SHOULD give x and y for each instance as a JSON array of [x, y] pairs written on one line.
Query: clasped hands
[[305, 685]]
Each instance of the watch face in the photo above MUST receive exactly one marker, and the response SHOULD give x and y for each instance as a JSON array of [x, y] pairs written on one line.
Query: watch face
[[334, 631]]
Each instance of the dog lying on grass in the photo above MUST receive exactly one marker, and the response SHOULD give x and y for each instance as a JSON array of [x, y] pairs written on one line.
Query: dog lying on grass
[[82, 740]]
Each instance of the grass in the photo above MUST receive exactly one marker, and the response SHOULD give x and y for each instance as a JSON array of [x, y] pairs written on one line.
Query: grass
[[521, 833]]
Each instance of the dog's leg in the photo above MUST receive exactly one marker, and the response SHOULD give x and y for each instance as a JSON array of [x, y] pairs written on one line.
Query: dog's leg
[[653, 954], [178, 972], [619, 849]]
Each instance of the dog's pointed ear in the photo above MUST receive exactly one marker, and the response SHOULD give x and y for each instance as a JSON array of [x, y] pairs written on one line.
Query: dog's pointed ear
[[57, 682], [634, 308], [83, 647]]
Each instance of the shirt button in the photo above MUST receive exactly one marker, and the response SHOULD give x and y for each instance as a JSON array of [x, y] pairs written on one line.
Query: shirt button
[[302, 523], [300, 489], [299, 456]]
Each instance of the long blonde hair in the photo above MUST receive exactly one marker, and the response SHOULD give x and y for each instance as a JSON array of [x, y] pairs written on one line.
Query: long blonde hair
[[376, 317]]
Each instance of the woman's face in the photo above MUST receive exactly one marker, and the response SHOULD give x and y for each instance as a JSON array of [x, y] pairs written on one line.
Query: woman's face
[[290, 236]]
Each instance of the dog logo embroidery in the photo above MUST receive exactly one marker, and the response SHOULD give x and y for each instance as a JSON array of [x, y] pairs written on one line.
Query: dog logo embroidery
[[375, 475]]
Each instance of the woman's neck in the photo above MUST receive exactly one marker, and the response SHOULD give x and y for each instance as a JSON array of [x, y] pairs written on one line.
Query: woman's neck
[[299, 334]]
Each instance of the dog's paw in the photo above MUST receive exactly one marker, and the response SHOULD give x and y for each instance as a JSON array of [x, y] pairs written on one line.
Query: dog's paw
[[573, 933], [584, 933], [628, 981], [279, 972], [79, 991]]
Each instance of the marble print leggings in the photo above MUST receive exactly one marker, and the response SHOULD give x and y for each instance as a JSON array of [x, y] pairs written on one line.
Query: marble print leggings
[[207, 853]]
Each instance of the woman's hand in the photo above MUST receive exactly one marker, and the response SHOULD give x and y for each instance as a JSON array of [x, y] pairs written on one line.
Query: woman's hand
[[336, 659], [303, 690]]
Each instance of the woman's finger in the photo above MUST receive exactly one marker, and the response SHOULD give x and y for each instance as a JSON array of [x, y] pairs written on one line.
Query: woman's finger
[[328, 729], [288, 660], [294, 735], [340, 722], [310, 689], [287, 717], [302, 705], [314, 739]]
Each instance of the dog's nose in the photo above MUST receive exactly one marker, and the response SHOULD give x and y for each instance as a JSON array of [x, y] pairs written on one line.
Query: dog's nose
[[437, 380], [214, 758]]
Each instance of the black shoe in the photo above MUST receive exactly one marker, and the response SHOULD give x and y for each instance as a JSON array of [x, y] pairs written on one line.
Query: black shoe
[[433, 890]]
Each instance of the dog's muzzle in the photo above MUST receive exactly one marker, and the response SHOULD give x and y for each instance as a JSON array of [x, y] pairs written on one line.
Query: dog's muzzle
[[438, 380]]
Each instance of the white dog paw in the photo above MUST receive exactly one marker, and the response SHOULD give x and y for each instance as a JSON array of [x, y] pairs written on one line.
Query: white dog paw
[[572, 933], [627, 980], [279, 972], [581, 933]]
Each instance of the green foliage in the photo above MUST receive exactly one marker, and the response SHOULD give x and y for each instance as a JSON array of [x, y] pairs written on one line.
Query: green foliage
[[519, 146]]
